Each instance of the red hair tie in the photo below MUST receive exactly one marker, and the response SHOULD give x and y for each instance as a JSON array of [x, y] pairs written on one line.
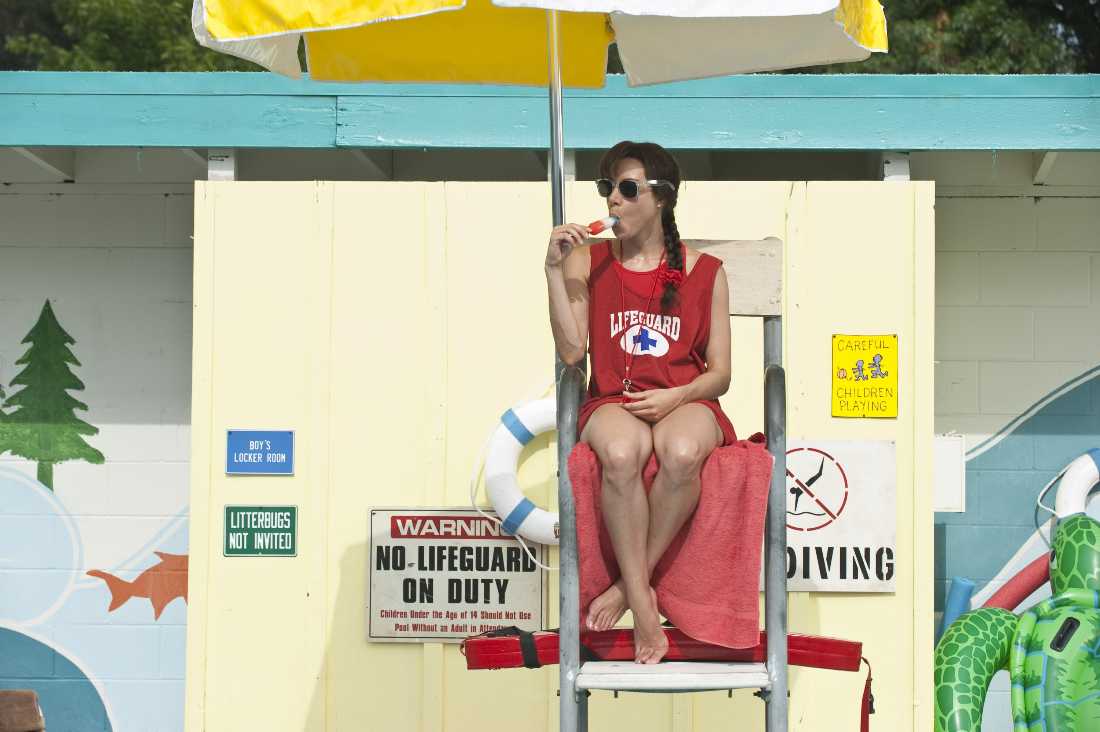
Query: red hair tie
[[668, 276]]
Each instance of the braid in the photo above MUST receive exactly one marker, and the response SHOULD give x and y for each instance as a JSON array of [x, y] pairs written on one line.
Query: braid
[[673, 255]]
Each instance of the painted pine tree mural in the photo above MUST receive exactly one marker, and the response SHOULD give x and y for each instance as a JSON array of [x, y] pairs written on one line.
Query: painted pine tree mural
[[43, 426]]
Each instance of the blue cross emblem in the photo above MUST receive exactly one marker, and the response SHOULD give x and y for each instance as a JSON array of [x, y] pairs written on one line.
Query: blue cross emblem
[[644, 339]]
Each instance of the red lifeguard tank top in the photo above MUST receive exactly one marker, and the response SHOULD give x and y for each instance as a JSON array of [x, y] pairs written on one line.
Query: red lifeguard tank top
[[669, 348]]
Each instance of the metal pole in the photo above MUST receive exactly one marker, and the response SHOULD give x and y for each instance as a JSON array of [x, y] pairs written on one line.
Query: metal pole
[[557, 147], [573, 705], [775, 532]]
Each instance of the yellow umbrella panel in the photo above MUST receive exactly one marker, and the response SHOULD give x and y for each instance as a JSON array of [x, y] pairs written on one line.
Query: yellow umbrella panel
[[412, 40]]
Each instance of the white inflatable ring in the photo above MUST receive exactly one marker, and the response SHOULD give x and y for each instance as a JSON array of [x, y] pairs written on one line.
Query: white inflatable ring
[[1080, 476], [519, 515]]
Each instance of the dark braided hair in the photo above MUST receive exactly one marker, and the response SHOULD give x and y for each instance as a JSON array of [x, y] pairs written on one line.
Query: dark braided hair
[[659, 165]]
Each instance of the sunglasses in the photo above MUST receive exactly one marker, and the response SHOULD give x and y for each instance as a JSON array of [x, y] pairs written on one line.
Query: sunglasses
[[628, 187]]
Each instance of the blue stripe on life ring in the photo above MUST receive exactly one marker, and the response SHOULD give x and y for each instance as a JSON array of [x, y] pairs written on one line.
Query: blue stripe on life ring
[[517, 516], [516, 427]]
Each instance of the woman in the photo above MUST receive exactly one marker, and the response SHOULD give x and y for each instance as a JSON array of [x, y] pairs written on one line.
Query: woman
[[654, 317]]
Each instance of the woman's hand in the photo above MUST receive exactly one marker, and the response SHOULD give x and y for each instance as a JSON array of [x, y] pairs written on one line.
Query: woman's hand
[[562, 241], [655, 404]]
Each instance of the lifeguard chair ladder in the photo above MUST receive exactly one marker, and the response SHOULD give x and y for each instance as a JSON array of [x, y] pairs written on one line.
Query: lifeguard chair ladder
[[754, 269]]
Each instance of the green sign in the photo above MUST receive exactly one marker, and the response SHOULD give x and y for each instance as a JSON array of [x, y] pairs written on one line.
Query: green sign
[[261, 531]]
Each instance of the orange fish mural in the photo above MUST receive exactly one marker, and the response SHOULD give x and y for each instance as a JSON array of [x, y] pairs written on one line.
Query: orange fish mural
[[161, 583]]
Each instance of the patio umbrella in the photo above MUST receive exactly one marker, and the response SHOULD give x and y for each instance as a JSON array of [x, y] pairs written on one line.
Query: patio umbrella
[[505, 41]]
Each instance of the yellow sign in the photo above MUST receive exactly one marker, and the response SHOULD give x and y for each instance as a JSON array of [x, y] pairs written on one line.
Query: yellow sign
[[865, 375]]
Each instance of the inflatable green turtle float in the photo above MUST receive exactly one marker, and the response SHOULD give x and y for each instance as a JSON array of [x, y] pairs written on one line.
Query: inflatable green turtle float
[[1052, 651]]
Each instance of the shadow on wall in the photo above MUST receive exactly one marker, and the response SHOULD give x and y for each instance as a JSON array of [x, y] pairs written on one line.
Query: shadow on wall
[[70, 702], [1003, 482]]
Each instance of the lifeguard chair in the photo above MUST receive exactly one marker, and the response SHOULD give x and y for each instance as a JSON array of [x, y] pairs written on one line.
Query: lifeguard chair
[[754, 269]]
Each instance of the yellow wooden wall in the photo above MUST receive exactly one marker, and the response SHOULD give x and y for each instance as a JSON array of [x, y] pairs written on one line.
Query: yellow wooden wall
[[389, 325]]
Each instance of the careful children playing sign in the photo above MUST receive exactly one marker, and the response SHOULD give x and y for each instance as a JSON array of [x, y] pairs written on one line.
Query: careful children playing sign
[[865, 376], [445, 574]]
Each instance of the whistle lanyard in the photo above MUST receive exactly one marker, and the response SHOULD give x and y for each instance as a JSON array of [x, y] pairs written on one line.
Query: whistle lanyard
[[628, 354]]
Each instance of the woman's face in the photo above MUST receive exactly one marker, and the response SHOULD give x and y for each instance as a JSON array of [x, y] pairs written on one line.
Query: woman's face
[[635, 214]]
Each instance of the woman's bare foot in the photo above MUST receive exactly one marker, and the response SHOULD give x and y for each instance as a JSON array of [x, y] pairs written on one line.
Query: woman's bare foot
[[650, 642], [608, 608]]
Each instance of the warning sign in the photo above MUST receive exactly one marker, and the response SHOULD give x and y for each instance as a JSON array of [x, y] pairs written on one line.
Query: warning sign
[[448, 573], [841, 516], [865, 376]]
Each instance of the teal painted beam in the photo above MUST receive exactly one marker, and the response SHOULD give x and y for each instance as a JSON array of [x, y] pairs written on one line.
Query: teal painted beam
[[715, 123], [167, 120], [769, 85], [755, 112]]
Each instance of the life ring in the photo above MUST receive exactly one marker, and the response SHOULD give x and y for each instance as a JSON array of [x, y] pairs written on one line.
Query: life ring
[[519, 515], [1080, 477]]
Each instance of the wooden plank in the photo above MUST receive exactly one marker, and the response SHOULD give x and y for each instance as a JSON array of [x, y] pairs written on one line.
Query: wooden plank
[[167, 121], [754, 270], [757, 123], [761, 112], [956, 87]]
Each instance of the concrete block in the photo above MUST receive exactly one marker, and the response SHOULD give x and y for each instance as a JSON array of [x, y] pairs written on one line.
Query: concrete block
[[1068, 224], [985, 224], [153, 705], [113, 220], [1015, 451], [978, 551], [1060, 439], [984, 334], [972, 167], [997, 712], [956, 387], [71, 704], [1012, 388], [958, 278], [23, 658], [1005, 496], [1067, 334], [976, 427], [1047, 279], [135, 648], [97, 273], [180, 220], [27, 220], [173, 647]]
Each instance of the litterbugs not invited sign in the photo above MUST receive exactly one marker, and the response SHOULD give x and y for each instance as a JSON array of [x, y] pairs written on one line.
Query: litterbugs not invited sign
[[445, 574], [261, 531]]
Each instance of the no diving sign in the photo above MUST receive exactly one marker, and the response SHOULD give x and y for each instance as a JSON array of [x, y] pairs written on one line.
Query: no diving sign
[[841, 516]]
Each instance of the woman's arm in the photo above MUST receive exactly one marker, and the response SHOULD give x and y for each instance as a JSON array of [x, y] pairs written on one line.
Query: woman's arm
[[715, 381], [567, 266]]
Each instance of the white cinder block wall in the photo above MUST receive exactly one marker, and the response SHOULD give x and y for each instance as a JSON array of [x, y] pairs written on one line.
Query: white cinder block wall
[[114, 261], [1017, 346]]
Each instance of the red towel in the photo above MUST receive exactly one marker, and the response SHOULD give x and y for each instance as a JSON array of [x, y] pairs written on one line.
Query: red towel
[[707, 583]]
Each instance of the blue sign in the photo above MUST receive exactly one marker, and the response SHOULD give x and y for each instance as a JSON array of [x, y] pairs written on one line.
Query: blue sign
[[259, 452]]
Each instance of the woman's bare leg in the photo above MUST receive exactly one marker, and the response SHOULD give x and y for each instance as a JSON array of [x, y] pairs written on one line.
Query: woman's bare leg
[[623, 443], [683, 440]]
